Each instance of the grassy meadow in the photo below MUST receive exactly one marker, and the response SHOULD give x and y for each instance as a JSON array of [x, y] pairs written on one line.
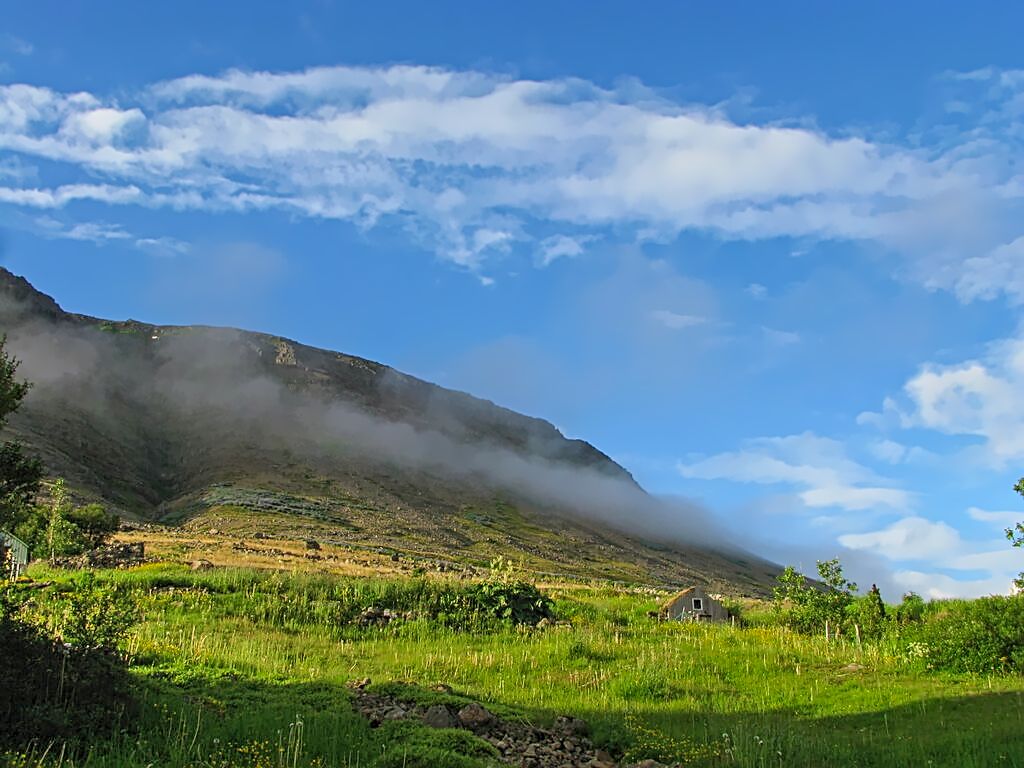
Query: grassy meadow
[[238, 667]]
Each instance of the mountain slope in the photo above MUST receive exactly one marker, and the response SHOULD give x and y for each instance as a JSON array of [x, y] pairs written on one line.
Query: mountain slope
[[188, 424]]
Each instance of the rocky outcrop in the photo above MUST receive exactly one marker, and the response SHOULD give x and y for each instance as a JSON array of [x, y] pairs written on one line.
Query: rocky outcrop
[[110, 556], [566, 744]]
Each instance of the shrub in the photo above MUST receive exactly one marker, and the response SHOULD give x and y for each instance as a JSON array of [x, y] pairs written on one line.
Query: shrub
[[808, 607], [868, 613], [984, 635], [412, 745], [61, 677], [517, 601], [911, 610]]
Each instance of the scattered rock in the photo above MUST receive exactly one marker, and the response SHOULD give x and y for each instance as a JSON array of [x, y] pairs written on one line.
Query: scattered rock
[[439, 716], [311, 544], [374, 616], [201, 565], [853, 668], [566, 745], [475, 717], [260, 535], [110, 556], [572, 726]]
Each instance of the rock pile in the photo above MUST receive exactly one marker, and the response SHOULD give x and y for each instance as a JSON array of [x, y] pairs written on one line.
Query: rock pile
[[110, 556], [566, 744], [377, 617]]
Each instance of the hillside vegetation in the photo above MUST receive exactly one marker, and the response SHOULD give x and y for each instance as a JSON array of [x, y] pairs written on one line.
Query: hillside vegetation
[[249, 432], [237, 667]]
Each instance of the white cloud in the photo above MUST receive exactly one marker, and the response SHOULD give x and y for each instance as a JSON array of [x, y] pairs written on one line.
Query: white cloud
[[675, 320], [977, 398], [892, 452], [91, 231], [164, 246], [888, 451], [890, 416], [560, 246], [819, 466], [912, 538], [16, 45], [1000, 519], [757, 290], [938, 586], [475, 164], [780, 338]]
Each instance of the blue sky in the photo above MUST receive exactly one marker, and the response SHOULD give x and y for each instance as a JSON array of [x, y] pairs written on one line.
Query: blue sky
[[768, 256]]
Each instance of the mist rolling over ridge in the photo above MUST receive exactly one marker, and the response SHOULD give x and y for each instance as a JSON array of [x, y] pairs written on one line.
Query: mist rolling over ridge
[[149, 419]]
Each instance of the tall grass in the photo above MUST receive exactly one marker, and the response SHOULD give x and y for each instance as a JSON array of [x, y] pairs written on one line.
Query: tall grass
[[231, 661]]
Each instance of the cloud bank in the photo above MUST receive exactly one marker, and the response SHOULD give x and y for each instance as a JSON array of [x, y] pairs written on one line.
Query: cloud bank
[[475, 165]]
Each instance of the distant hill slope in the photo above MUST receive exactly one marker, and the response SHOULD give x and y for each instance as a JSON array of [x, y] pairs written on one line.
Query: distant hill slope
[[193, 423]]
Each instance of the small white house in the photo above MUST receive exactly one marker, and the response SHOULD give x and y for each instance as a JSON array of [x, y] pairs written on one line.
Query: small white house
[[693, 604], [13, 555]]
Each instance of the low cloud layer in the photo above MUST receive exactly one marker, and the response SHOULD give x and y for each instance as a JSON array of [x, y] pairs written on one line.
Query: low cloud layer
[[223, 385]]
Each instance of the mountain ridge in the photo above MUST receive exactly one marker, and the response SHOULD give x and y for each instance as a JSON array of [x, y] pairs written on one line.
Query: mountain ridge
[[177, 423]]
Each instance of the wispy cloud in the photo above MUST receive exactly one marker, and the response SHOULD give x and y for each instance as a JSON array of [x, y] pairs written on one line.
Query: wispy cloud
[[818, 467], [475, 164], [17, 45], [675, 320], [912, 538], [93, 231], [1001, 519]]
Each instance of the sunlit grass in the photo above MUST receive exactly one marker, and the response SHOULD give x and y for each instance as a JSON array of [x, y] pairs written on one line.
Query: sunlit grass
[[249, 654]]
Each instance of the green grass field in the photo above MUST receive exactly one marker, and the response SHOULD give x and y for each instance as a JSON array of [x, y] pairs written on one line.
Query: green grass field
[[243, 668]]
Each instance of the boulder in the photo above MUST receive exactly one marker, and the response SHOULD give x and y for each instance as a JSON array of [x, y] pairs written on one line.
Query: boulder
[[475, 717], [439, 716]]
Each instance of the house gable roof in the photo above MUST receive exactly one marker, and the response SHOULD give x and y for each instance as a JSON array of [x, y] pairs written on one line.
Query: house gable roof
[[673, 599]]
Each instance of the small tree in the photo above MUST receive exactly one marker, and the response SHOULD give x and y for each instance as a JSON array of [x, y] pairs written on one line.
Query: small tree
[[1015, 535], [869, 614], [94, 523], [808, 607], [20, 475], [59, 528], [911, 610]]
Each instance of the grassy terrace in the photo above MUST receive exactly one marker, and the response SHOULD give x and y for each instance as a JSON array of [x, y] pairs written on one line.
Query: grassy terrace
[[248, 668]]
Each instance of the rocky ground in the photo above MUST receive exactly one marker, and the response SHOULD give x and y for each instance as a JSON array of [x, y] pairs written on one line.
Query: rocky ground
[[566, 744]]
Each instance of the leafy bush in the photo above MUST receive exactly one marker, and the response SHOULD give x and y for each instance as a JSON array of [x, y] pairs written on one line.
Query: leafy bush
[[67, 684], [805, 606], [911, 610], [868, 614], [412, 745], [515, 600], [984, 635], [60, 528], [91, 614]]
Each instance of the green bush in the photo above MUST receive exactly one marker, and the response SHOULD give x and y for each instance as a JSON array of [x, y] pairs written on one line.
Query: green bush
[[808, 607], [911, 610], [517, 601], [66, 686], [412, 745], [984, 635]]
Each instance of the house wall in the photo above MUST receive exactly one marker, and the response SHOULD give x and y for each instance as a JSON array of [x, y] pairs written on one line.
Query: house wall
[[711, 609], [13, 556]]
